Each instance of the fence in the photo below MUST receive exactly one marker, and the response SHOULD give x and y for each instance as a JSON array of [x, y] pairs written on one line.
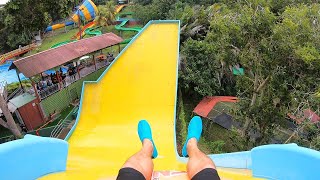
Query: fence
[[45, 132], [61, 99], [48, 91]]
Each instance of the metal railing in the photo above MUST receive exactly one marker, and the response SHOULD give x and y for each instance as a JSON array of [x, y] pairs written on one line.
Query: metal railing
[[16, 92], [48, 91], [16, 52], [57, 130]]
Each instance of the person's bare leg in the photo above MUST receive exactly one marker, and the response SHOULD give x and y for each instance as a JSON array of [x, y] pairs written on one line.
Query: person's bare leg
[[198, 161], [142, 160]]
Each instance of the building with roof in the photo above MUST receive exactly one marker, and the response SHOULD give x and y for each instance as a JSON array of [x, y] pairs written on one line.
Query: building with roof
[[36, 105], [308, 114], [216, 109], [28, 110]]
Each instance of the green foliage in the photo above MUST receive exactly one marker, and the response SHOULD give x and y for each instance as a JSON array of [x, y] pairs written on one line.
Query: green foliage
[[59, 9], [13, 86], [182, 121], [297, 36], [200, 2], [200, 69], [143, 2], [103, 2], [183, 12], [276, 44], [106, 14], [21, 18], [158, 9], [52, 40], [215, 147], [315, 143]]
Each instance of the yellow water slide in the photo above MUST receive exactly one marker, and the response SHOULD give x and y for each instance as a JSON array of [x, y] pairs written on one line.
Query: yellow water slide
[[140, 84]]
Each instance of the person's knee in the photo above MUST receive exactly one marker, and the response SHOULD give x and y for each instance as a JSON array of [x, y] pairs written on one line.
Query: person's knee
[[206, 162], [197, 164]]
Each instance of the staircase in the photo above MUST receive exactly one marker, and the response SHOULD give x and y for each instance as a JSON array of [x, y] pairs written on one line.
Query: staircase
[[62, 129]]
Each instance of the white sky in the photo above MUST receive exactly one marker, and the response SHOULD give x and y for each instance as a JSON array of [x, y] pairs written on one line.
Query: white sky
[[3, 1]]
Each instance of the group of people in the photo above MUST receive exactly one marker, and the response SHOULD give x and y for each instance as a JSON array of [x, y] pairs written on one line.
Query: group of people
[[72, 71], [59, 76], [54, 78], [44, 84], [110, 57]]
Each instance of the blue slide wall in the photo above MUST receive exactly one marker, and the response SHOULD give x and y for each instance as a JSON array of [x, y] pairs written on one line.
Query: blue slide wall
[[32, 157]]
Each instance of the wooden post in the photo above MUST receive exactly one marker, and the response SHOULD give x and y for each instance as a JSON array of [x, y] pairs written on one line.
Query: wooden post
[[94, 62], [79, 24], [78, 70], [35, 90], [59, 80], [41, 112], [119, 48], [19, 80]]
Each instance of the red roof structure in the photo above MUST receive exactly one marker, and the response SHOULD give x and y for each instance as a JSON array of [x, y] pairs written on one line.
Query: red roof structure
[[216, 109], [207, 104], [307, 114], [40, 62]]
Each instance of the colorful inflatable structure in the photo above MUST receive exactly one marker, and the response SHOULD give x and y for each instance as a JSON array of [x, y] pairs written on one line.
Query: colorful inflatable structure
[[87, 11]]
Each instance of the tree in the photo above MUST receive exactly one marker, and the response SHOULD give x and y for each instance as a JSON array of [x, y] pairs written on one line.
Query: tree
[[106, 14], [9, 124], [2, 29], [158, 9], [200, 70], [143, 2], [278, 54], [195, 21], [20, 18], [59, 9]]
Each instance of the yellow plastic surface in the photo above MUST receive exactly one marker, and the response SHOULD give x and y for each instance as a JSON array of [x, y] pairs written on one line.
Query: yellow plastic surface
[[57, 26], [141, 84], [119, 8]]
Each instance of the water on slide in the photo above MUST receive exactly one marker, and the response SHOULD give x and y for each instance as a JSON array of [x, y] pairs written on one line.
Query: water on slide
[[141, 84]]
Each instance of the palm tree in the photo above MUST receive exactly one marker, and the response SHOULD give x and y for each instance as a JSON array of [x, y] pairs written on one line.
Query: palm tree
[[106, 15]]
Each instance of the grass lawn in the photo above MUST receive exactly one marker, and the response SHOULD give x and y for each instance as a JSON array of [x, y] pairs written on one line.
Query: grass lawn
[[62, 116], [64, 36], [52, 40]]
